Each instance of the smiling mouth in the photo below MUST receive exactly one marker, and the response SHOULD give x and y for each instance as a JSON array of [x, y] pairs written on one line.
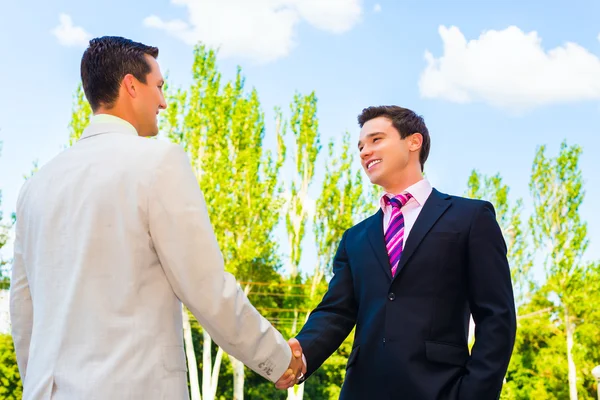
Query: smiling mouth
[[372, 163]]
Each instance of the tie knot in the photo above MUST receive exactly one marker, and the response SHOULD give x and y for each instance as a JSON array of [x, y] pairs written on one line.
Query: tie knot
[[400, 200]]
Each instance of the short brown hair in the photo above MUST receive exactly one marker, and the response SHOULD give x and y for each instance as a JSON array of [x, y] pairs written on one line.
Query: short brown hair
[[404, 120], [106, 62]]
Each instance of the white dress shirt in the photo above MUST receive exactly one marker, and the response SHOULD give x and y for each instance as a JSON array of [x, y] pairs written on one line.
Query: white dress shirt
[[111, 119], [420, 191]]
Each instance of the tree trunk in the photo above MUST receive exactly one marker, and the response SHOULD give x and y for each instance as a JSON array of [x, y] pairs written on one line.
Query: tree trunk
[[291, 393], [300, 392], [238, 369], [296, 392], [207, 391], [570, 328], [319, 273], [471, 339], [238, 378], [215, 372], [191, 357]]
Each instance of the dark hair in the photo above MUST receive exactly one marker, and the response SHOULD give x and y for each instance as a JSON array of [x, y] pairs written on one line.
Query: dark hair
[[106, 62], [404, 120]]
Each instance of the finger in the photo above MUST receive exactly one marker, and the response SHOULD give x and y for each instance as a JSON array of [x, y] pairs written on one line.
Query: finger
[[295, 346], [284, 384], [288, 381], [289, 377]]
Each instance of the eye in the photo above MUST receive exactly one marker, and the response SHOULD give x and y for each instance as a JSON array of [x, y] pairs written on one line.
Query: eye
[[376, 139]]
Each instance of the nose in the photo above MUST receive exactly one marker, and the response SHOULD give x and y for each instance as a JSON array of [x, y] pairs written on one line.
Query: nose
[[365, 152], [163, 103]]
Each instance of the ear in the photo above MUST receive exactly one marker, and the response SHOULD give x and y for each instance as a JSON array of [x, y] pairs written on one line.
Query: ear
[[130, 84], [415, 141]]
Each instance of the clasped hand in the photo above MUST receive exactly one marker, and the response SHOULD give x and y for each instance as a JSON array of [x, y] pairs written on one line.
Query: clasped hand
[[296, 368]]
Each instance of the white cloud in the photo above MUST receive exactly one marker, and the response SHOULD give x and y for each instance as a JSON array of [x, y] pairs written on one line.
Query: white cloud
[[70, 35], [377, 8], [260, 30], [509, 69]]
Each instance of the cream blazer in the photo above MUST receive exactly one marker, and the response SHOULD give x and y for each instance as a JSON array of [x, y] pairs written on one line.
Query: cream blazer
[[112, 236]]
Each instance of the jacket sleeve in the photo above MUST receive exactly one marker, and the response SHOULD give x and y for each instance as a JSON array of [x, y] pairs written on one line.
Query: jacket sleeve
[[192, 261], [492, 306], [21, 305], [330, 323]]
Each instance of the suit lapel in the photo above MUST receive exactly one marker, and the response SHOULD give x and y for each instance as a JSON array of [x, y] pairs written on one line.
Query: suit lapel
[[434, 207], [375, 234]]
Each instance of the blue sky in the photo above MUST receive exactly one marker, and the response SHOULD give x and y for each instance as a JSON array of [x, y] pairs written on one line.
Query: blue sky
[[492, 79]]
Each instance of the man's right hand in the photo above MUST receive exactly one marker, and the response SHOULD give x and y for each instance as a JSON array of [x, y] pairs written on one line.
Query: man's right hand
[[296, 369]]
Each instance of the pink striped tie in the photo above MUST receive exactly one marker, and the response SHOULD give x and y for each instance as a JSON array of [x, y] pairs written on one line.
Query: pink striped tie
[[394, 235]]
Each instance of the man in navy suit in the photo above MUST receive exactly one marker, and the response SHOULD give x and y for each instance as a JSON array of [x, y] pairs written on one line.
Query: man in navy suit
[[409, 277]]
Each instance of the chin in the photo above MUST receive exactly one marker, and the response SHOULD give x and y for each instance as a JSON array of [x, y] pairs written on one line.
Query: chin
[[152, 132], [374, 178]]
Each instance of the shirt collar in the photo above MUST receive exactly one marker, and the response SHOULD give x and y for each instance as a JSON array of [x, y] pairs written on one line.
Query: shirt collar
[[106, 123], [420, 191]]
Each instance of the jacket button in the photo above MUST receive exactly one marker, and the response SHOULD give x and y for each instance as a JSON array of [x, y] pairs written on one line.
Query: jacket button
[[391, 296]]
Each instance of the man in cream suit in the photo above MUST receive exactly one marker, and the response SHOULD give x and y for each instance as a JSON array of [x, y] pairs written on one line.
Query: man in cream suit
[[112, 236]]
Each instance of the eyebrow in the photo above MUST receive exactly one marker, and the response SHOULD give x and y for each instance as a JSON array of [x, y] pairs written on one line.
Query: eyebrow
[[370, 135]]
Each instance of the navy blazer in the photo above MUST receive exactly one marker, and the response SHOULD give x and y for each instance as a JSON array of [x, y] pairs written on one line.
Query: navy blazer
[[412, 329]]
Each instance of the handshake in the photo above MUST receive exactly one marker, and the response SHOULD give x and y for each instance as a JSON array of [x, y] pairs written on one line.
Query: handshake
[[296, 369]]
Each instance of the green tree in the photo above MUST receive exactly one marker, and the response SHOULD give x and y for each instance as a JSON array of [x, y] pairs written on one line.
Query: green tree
[[510, 218], [305, 129], [341, 204], [80, 115], [222, 128], [537, 367], [520, 254], [586, 349], [11, 387], [5, 228], [185, 121], [557, 189]]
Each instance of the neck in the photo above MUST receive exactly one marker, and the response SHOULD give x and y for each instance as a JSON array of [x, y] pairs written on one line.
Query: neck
[[119, 112], [401, 183]]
